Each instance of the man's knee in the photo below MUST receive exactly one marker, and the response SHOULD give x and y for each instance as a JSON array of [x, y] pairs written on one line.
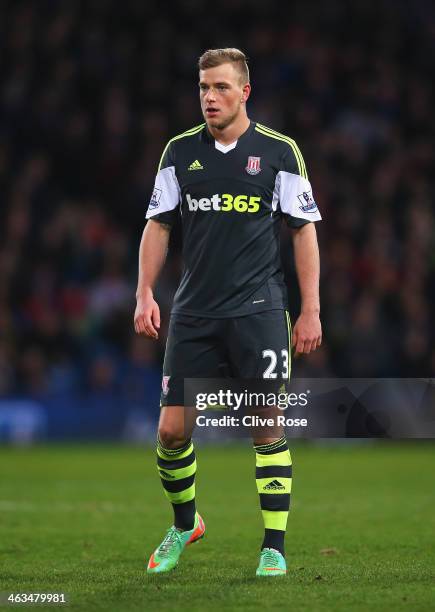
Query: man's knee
[[172, 437]]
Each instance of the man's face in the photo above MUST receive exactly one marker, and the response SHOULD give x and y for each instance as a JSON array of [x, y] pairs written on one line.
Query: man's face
[[221, 94]]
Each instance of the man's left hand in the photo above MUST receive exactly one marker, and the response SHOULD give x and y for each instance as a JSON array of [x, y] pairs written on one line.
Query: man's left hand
[[307, 333]]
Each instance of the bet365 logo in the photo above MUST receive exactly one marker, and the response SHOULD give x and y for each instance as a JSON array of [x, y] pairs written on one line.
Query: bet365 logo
[[225, 203]]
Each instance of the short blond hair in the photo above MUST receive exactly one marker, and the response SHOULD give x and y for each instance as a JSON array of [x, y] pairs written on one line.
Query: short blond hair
[[216, 57]]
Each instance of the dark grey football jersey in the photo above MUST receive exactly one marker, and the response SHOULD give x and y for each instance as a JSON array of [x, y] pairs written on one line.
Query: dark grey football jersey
[[231, 200]]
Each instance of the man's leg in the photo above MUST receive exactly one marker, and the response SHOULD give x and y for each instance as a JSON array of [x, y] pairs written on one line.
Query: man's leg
[[176, 462], [273, 473], [260, 347], [191, 351]]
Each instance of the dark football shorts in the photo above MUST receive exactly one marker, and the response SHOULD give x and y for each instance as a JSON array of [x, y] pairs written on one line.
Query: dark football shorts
[[252, 346]]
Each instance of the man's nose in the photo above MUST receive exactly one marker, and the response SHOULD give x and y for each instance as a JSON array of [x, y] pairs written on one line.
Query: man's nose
[[210, 96]]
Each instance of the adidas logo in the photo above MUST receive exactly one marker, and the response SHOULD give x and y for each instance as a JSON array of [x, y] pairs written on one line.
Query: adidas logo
[[275, 485], [196, 165], [163, 473]]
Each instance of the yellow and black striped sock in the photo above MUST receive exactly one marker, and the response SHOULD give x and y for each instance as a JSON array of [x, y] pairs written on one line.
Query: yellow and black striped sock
[[177, 469], [274, 481]]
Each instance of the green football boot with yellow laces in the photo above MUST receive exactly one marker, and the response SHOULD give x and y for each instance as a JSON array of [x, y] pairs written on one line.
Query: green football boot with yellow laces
[[166, 556], [272, 563]]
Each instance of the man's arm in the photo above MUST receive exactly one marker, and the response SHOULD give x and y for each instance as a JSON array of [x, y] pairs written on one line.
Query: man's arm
[[152, 254], [307, 332]]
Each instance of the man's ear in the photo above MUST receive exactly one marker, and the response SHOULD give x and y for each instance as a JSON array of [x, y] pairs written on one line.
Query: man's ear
[[246, 92]]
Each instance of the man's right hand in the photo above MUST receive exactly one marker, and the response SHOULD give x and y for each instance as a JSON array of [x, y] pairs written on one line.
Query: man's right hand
[[147, 316]]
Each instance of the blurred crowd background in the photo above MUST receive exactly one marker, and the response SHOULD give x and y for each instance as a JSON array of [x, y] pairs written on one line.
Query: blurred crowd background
[[90, 92]]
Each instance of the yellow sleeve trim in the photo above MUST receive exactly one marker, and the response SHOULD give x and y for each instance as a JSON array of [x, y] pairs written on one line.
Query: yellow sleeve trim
[[262, 129], [190, 132]]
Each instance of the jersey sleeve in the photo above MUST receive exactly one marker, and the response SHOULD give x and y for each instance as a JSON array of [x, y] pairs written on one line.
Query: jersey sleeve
[[165, 199], [293, 193]]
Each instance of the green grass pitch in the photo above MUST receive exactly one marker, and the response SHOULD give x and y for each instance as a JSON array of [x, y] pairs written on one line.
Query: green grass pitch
[[361, 535]]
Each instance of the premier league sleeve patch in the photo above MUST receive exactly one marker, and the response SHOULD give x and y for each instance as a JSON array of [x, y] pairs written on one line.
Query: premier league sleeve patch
[[295, 196], [166, 194], [155, 198], [165, 385], [308, 205]]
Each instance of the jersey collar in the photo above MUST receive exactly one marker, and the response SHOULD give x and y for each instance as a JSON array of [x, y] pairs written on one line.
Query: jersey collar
[[209, 138]]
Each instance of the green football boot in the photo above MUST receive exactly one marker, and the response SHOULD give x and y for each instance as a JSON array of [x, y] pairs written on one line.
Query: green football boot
[[166, 556], [272, 563]]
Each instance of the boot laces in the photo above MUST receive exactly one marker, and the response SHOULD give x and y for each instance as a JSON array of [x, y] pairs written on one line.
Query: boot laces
[[172, 538], [270, 557]]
